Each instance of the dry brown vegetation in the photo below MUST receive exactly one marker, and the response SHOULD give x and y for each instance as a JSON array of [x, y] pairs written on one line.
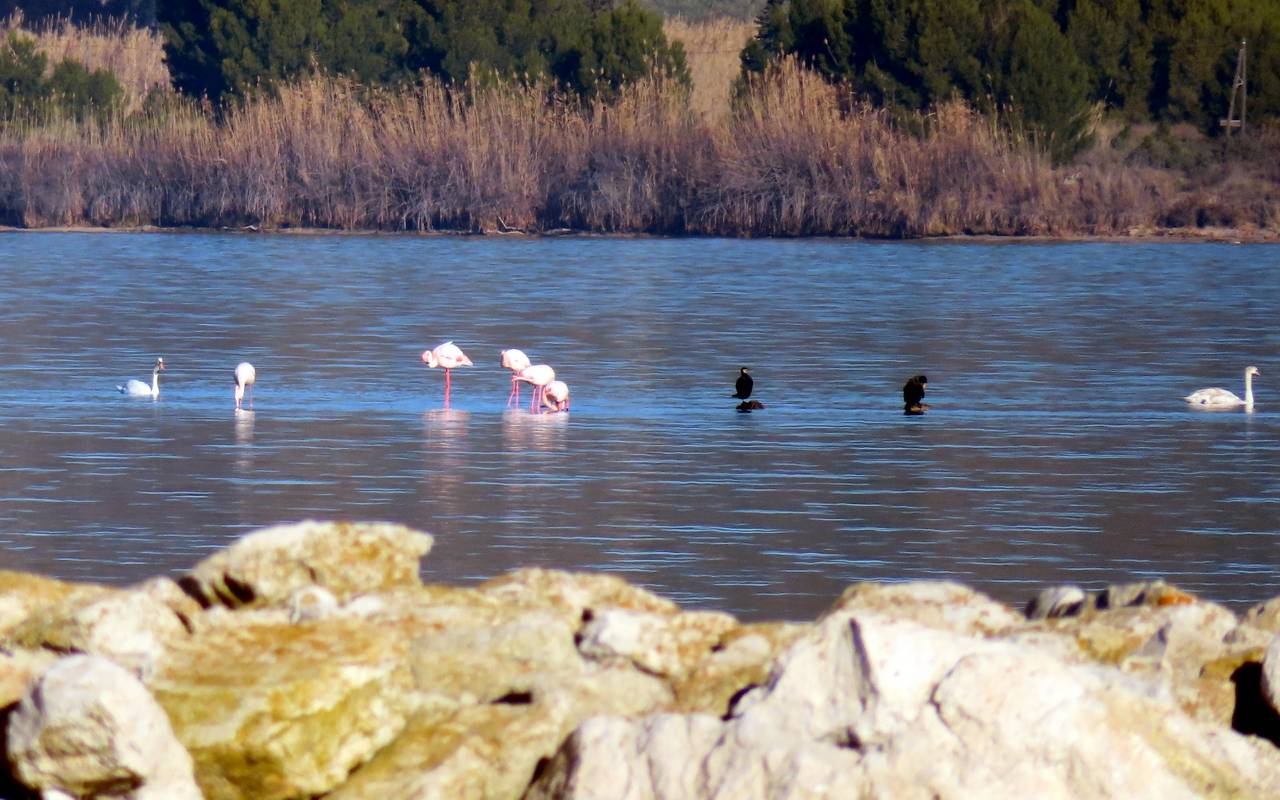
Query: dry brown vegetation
[[712, 50], [795, 159], [134, 55]]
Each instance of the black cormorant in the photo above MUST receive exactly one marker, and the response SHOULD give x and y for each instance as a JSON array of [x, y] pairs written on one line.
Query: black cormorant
[[913, 395], [743, 386]]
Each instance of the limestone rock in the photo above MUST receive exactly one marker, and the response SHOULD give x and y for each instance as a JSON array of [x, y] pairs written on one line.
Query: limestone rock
[[347, 559], [864, 705], [739, 661], [1271, 674], [23, 596], [19, 668], [573, 593], [670, 645], [273, 711], [88, 728], [132, 628], [945, 605]]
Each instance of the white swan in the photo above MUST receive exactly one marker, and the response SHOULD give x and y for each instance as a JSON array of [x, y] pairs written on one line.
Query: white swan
[[1221, 398], [136, 388]]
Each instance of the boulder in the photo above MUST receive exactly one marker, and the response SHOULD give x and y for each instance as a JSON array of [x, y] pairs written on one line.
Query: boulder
[[268, 566], [23, 596], [669, 645], [88, 728], [132, 628], [273, 710], [867, 705], [944, 605]]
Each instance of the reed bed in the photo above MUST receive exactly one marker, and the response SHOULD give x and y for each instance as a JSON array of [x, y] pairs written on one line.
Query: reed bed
[[795, 158], [712, 49], [134, 55]]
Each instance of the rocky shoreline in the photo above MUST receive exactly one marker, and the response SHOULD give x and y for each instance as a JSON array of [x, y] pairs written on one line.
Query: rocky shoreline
[[309, 660]]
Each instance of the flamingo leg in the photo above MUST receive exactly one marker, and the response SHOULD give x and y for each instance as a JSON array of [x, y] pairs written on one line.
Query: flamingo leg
[[515, 393], [251, 395], [448, 383]]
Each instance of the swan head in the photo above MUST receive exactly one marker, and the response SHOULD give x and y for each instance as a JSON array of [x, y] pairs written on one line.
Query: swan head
[[1249, 372], [159, 365]]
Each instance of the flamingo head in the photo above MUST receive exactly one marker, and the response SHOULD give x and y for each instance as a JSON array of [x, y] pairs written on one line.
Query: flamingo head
[[429, 358]]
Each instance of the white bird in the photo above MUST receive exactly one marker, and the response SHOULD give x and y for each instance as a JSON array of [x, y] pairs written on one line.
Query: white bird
[[447, 356], [539, 375], [1221, 398], [556, 396], [245, 376], [514, 360], [136, 388]]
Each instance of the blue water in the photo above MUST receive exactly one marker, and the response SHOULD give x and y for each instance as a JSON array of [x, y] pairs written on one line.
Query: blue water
[[1056, 449]]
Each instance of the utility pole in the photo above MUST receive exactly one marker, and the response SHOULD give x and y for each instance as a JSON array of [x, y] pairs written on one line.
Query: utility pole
[[1240, 84]]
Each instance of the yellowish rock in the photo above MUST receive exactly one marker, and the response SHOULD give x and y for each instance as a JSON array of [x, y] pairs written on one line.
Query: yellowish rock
[[23, 596], [346, 558], [573, 593], [741, 659], [272, 711]]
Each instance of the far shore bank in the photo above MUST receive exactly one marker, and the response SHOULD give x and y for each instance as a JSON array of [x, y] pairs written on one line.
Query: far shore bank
[[1179, 235]]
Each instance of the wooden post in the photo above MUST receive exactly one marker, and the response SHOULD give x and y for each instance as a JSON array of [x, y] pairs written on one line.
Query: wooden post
[[1240, 84]]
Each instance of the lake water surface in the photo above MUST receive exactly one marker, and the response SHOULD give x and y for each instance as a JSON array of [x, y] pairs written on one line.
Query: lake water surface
[[1056, 450]]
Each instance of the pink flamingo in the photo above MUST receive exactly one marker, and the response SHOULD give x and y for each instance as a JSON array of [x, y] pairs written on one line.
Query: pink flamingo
[[556, 396], [539, 375], [516, 361], [245, 376], [448, 356]]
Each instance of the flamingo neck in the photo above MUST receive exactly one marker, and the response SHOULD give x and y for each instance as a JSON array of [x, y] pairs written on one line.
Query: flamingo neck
[[1248, 390]]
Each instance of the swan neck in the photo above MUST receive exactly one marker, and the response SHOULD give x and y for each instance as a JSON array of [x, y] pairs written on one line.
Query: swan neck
[[155, 382], [1248, 389]]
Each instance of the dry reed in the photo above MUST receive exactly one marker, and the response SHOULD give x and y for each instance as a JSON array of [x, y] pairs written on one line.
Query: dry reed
[[712, 49], [134, 55], [794, 159]]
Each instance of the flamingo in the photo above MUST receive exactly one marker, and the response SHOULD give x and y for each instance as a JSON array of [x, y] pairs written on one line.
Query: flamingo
[[1221, 398], [245, 376], [516, 361], [556, 396], [539, 375], [447, 356], [136, 388]]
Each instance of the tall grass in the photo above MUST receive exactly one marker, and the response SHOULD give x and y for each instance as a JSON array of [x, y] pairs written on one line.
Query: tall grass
[[712, 48], [134, 55], [795, 158]]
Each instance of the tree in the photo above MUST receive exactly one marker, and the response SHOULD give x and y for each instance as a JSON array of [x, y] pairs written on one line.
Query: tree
[[215, 47], [69, 89], [1114, 44]]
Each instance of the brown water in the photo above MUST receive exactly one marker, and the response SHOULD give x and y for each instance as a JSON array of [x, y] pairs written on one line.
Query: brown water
[[1057, 449]]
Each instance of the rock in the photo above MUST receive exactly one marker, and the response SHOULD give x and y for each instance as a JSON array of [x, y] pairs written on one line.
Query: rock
[[739, 661], [944, 605], [19, 668], [132, 628], [284, 710], [88, 728], [311, 603], [1057, 601], [864, 705], [1271, 675], [669, 645], [347, 559], [23, 596], [572, 593]]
